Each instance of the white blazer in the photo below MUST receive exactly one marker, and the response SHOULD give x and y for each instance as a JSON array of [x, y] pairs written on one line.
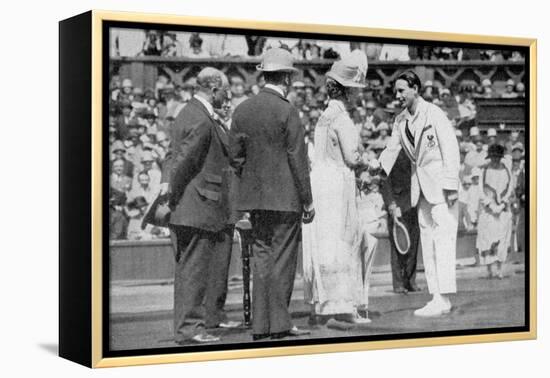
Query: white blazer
[[435, 154]]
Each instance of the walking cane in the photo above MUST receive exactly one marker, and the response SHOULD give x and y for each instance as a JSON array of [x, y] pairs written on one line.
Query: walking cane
[[244, 229]]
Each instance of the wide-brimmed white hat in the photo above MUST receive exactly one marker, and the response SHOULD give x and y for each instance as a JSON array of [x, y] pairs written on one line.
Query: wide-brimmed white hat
[[277, 59], [350, 71]]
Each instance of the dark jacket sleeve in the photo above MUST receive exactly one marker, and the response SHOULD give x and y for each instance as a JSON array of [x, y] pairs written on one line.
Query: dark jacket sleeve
[[297, 156], [386, 191], [237, 150], [188, 157], [166, 167]]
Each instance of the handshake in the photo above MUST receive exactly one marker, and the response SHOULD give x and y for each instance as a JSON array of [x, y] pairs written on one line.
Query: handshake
[[373, 165]]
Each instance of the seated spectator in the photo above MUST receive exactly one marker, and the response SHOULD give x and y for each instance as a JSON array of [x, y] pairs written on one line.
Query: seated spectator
[[372, 118], [171, 47], [383, 130], [196, 47], [143, 188], [135, 210], [118, 222], [171, 106], [469, 197], [312, 50], [285, 43], [118, 180], [314, 115], [428, 92], [449, 104], [237, 90], [113, 135], [118, 151], [372, 51], [365, 136], [491, 136], [358, 118], [149, 166], [152, 44], [163, 145], [477, 156], [255, 44], [466, 108], [151, 124], [127, 89], [487, 87], [509, 90]]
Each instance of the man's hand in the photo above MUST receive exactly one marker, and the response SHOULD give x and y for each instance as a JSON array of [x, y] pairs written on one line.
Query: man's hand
[[308, 214], [164, 187], [451, 196], [394, 210], [374, 165]]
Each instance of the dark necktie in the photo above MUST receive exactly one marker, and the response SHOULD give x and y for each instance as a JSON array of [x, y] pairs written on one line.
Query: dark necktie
[[408, 133]]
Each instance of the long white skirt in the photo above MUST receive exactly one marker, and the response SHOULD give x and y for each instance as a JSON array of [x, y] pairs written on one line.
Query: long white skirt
[[331, 255]]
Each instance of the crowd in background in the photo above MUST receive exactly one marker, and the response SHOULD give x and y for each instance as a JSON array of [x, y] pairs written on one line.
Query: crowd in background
[[138, 42], [141, 119]]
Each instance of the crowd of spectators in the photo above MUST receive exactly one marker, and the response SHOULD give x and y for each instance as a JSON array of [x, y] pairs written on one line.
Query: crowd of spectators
[[138, 42], [141, 119]]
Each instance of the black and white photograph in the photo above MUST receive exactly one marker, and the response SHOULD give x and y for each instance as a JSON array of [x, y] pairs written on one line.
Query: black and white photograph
[[277, 189]]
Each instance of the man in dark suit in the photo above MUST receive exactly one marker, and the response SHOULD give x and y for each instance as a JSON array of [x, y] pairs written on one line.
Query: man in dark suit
[[268, 149], [396, 191], [198, 171]]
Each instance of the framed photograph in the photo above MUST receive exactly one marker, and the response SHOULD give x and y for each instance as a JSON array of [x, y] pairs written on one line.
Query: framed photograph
[[235, 189]]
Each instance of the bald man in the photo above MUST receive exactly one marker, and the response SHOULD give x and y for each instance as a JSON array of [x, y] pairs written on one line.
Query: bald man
[[197, 171]]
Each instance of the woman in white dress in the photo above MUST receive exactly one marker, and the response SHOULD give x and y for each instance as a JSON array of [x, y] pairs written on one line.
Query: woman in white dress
[[331, 254], [495, 216]]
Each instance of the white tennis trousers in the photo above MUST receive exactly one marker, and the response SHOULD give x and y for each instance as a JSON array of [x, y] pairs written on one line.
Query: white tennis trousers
[[438, 232]]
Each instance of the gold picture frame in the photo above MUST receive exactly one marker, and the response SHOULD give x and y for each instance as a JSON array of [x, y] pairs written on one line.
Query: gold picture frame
[[92, 328]]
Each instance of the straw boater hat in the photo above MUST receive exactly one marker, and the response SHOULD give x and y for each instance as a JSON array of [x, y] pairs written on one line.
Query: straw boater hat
[[350, 71], [276, 59]]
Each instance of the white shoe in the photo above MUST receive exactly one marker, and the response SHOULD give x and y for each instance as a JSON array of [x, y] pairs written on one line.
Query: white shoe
[[361, 320], [230, 324], [447, 307], [433, 309]]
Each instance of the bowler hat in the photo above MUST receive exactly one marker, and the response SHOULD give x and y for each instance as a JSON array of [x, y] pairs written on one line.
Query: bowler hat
[[276, 59]]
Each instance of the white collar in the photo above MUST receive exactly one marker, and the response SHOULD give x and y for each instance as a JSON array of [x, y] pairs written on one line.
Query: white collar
[[206, 104], [275, 88], [419, 106], [338, 104]]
